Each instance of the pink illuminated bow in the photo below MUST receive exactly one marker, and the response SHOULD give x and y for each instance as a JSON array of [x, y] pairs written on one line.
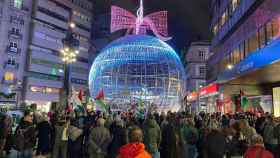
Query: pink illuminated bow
[[156, 22]]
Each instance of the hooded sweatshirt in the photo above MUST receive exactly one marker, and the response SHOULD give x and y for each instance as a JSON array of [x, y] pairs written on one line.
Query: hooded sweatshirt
[[133, 150]]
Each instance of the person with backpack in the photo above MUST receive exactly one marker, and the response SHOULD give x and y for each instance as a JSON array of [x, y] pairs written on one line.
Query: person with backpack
[[26, 136]]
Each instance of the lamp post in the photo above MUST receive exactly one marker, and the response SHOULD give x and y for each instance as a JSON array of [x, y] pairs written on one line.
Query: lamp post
[[68, 53]]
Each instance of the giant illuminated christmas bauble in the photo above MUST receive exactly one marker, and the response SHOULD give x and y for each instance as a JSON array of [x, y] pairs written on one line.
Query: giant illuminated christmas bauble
[[138, 68]]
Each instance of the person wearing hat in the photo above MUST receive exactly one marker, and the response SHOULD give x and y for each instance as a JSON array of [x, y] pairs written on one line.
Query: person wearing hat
[[257, 150], [99, 140]]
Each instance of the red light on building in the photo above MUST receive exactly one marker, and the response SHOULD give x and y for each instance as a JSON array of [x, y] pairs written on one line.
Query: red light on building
[[210, 89]]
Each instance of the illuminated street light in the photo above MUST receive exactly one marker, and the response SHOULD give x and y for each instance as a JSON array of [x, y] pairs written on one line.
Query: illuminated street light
[[229, 66], [68, 56], [72, 25]]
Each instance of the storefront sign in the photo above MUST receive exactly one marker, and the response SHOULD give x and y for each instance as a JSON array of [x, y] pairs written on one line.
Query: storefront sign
[[208, 90]]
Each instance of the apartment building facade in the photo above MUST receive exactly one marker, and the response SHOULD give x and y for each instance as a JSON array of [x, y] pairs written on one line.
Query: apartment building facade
[[41, 69], [246, 50], [195, 64]]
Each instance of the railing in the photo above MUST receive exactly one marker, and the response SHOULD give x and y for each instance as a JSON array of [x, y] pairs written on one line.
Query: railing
[[13, 50]]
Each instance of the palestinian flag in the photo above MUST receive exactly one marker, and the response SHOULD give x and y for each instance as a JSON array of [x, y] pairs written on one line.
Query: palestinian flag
[[100, 100]]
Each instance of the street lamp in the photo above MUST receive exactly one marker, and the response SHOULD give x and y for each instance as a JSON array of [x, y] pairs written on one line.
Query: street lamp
[[68, 54]]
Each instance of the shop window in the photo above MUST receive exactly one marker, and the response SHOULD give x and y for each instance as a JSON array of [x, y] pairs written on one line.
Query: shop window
[[9, 76]]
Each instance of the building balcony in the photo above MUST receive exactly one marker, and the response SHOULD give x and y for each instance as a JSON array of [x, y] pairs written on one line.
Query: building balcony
[[16, 35], [13, 50], [11, 66]]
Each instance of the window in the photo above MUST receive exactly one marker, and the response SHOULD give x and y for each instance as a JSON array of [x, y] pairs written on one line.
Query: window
[[15, 30], [9, 76], [262, 41], [253, 43], [11, 61], [17, 20], [201, 55], [235, 4], [13, 45], [18, 4], [202, 70]]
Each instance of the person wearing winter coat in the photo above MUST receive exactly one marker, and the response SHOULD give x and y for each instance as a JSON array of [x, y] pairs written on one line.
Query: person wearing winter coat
[[189, 136], [277, 135], [135, 148], [257, 150], [44, 137], [169, 142], [61, 139], [270, 141], [152, 136], [215, 145], [247, 131], [120, 138], [4, 132], [27, 129], [99, 140]]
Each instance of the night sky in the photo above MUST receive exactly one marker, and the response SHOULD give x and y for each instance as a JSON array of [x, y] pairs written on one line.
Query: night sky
[[188, 19]]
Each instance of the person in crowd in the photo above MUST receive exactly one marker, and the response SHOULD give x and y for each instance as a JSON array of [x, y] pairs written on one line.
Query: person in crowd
[[277, 136], [99, 140], [26, 135], [135, 148], [44, 136], [189, 136], [61, 138], [4, 132], [152, 136], [246, 131], [215, 145], [169, 142], [120, 137], [270, 141], [257, 150]]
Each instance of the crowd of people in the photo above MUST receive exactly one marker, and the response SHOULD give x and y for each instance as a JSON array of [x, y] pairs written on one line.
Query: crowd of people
[[124, 135]]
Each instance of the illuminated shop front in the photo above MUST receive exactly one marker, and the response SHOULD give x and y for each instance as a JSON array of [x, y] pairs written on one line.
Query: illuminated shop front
[[248, 60]]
